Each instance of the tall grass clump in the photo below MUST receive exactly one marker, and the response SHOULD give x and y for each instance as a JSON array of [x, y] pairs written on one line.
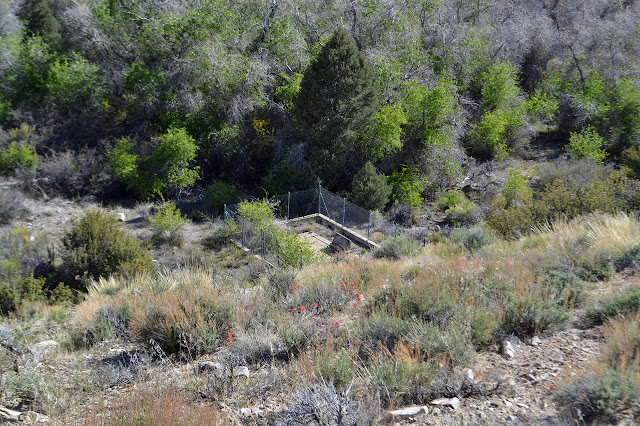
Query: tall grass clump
[[623, 304]]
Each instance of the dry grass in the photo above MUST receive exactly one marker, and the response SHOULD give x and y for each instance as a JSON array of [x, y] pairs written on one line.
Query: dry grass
[[158, 407]]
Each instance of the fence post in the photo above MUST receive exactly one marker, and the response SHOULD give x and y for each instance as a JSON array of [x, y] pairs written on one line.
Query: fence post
[[288, 203], [369, 227], [319, 196], [243, 232], [344, 210]]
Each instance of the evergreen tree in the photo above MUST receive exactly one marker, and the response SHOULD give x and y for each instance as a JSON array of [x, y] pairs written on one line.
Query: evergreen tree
[[370, 189], [39, 21], [336, 99]]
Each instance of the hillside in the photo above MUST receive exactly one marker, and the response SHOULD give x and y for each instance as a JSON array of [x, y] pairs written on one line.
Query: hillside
[[159, 347]]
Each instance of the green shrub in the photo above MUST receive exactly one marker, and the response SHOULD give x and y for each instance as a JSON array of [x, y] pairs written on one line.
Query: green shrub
[[382, 329], [18, 156], [370, 190], [281, 282], [28, 386], [336, 368], [396, 248], [96, 246], [450, 345], [625, 303], [565, 287], [167, 222], [472, 239], [631, 159], [402, 381], [407, 187], [219, 193], [604, 396], [587, 144], [532, 315]]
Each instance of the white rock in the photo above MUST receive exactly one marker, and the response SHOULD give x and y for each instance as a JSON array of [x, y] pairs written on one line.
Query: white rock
[[447, 402], [120, 217], [404, 413], [468, 374], [241, 371], [535, 341], [507, 349]]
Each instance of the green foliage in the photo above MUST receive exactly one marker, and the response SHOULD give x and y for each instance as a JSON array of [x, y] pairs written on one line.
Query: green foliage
[[631, 159], [167, 222], [624, 304], [96, 246], [336, 368], [288, 91], [288, 246], [336, 99], [370, 190], [169, 166], [164, 171], [603, 396], [383, 135], [18, 156], [532, 315], [515, 189], [472, 239], [407, 187], [76, 86], [499, 87], [41, 22], [395, 248], [219, 193], [542, 106], [587, 144]]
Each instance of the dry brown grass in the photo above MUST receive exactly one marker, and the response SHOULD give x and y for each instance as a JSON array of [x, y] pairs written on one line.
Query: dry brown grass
[[156, 407]]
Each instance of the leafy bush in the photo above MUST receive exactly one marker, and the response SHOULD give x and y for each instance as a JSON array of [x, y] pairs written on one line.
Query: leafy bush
[[324, 405], [401, 380], [587, 144], [96, 246], [18, 156], [407, 187], [370, 190], [164, 171], [167, 222], [450, 345], [219, 193], [281, 282], [395, 248], [565, 287], [631, 159]]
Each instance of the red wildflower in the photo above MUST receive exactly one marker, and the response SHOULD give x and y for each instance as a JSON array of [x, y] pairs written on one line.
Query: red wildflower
[[355, 304], [357, 295], [353, 285], [301, 308], [551, 387], [227, 333], [314, 305], [229, 341], [418, 262], [335, 324]]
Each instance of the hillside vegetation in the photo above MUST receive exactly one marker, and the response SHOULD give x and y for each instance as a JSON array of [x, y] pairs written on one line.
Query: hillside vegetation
[[496, 143]]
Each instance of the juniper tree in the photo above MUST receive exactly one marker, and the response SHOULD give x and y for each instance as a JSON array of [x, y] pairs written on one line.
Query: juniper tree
[[336, 99]]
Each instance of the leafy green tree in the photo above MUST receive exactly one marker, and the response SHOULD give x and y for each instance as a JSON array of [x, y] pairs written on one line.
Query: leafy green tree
[[384, 134], [167, 169], [587, 144], [407, 187], [337, 98], [370, 189], [75, 85]]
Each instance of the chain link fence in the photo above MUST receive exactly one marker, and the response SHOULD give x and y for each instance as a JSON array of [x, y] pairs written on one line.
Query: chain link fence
[[294, 205]]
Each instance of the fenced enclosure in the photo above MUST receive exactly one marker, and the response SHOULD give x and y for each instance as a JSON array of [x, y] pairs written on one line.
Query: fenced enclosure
[[295, 205], [319, 200]]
